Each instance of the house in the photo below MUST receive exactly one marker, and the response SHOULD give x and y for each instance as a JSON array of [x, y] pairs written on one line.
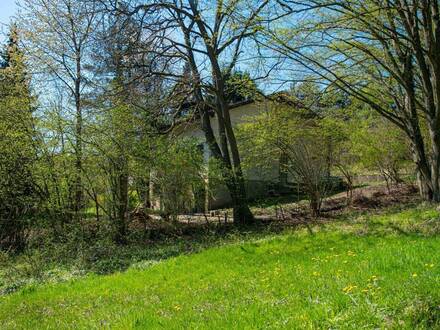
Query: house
[[259, 183]]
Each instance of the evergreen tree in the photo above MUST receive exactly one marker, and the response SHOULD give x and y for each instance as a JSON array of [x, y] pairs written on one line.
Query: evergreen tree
[[17, 190]]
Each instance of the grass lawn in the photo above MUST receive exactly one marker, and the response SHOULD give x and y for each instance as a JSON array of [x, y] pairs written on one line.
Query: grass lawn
[[379, 271]]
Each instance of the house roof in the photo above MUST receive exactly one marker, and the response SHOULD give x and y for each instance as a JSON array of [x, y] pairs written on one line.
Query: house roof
[[278, 97]]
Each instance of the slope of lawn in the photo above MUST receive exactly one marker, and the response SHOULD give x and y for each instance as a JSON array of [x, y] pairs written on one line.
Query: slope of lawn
[[379, 271]]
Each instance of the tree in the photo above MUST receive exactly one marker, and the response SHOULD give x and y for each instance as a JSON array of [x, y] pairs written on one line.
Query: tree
[[18, 192], [54, 169], [57, 35], [178, 175], [113, 139], [381, 147], [364, 140], [210, 39], [298, 135], [384, 53], [122, 132], [339, 128], [240, 87]]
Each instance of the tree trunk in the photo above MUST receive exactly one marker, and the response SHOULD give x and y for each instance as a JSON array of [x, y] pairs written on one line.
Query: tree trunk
[[424, 190], [233, 177], [241, 212], [423, 175], [122, 207], [78, 138], [315, 204], [418, 146], [237, 189], [435, 160], [232, 170], [78, 163]]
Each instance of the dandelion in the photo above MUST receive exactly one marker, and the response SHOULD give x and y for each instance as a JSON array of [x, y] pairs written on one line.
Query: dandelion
[[373, 278], [414, 275], [349, 288]]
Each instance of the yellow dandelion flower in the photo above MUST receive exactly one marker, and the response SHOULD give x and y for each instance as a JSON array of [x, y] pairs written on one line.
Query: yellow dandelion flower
[[414, 275], [349, 288]]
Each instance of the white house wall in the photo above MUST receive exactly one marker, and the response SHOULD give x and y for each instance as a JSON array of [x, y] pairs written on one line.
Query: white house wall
[[257, 179]]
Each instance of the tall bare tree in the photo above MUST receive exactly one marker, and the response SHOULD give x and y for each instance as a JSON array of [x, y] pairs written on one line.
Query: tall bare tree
[[58, 36], [211, 39], [385, 53]]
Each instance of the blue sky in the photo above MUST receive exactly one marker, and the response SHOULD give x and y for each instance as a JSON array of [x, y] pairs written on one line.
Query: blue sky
[[7, 9]]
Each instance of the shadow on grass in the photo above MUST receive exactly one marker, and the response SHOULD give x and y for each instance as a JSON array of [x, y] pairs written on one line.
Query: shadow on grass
[[190, 238], [100, 255]]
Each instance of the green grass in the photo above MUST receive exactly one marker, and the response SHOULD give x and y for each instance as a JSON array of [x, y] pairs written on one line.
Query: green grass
[[379, 271]]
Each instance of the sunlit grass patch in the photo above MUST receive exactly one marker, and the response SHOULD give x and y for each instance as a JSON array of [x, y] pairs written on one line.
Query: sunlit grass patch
[[376, 271]]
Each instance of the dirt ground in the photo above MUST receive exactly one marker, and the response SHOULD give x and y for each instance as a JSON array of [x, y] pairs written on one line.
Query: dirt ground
[[366, 198]]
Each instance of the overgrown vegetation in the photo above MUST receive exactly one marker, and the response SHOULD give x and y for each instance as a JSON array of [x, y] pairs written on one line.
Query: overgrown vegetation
[[134, 131], [345, 273], [18, 193]]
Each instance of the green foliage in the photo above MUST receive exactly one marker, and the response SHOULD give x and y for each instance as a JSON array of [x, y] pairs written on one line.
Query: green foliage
[[381, 147], [18, 192], [178, 175], [115, 142], [297, 135], [377, 271], [240, 87], [364, 142]]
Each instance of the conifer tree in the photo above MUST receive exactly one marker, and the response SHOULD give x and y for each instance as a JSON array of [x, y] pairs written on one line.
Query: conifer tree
[[17, 190]]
